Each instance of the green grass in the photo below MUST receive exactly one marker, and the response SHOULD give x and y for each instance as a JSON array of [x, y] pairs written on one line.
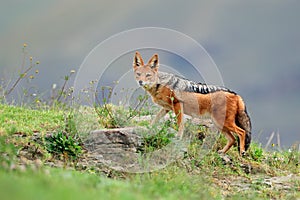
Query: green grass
[[59, 184], [69, 184], [27, 121], [193, 177]]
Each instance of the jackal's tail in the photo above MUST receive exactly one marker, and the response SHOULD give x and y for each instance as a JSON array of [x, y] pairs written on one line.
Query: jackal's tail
[[243, 121]]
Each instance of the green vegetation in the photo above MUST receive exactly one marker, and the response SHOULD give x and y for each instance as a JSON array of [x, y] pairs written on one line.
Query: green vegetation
[[30, 176], [42, 155], [27, 121], [63, 144], [156, 137]]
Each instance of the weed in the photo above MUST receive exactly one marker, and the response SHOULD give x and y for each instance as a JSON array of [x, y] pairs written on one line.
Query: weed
[[157, 141], [256, 152], [159, 136], [113, 116], [70, 124], [141, 107], [23, 73], [104, 110], [63, 144], [288, 159], [107, 117], [61, 95]]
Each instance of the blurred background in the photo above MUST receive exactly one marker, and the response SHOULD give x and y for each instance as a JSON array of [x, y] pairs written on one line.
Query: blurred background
[[255, 45]]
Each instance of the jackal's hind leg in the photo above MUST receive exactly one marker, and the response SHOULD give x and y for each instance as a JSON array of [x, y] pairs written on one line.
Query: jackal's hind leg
[[242, 137], [230, 142], [241, 134]]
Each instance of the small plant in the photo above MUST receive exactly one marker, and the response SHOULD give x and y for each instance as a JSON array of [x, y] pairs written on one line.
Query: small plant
[[141, 107], [107, 116], [104, 110], [293, 158], [61, 95], [162, 136], [256, 152], [157, 141], [116, 116], [70, 125], [63, 144], [24, 73], [287, 159]]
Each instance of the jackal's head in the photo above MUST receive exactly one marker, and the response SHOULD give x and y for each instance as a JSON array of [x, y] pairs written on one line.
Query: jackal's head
[[146, 75]]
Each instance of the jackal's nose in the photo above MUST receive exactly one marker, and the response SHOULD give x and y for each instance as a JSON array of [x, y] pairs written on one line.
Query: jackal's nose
[[141, 83]]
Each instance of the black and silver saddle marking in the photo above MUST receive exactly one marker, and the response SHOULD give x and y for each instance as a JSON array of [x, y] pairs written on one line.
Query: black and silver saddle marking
[[202, 88]]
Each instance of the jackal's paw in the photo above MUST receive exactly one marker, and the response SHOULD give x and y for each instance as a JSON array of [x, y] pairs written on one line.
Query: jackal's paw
[[243, 153], [221, 152]]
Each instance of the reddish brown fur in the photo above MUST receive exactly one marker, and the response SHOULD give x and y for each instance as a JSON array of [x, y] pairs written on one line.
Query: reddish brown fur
[[223, 107]]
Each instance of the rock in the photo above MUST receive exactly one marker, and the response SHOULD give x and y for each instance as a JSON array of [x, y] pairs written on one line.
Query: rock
[[118, 149], [281, 182], [112, 141]]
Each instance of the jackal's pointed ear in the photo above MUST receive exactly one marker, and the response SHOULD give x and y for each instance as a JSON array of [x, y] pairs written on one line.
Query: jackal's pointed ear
[[153, 62], [137, 60]]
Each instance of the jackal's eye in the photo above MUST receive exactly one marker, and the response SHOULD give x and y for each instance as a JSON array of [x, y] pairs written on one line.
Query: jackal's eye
[[148, 75], [138, 74]]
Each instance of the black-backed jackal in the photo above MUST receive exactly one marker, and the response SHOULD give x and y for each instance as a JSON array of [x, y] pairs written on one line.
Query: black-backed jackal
[[182, 96]]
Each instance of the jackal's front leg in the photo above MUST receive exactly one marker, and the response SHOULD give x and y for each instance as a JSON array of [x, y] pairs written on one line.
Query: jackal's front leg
[[159, 115], [178, 110]]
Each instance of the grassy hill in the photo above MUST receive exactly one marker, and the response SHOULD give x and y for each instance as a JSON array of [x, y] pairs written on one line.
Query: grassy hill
[[42, 156]]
